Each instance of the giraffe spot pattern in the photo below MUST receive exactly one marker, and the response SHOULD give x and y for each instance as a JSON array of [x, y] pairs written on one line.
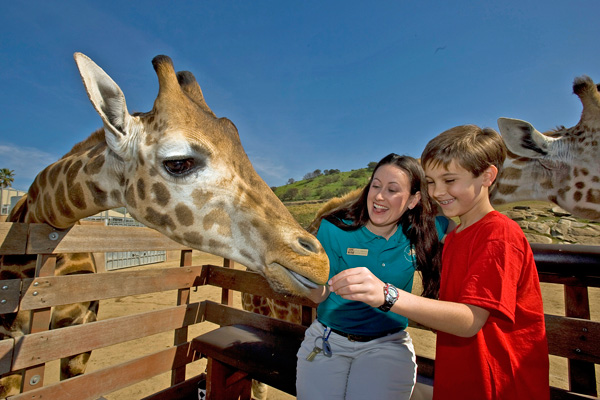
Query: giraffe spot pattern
[[507, 189], [54, 173], [43, 179], [547, 184], [61, 202], [115, 195], [511, 173], [201, 197], [161, 193], [194, 239], [141, 189], [130, 197], [158, 219], [95, 165], [76, 196], [73, 171], [48, 211], [219, 218], [97, 193], [218, 246], [593, 196], [184, 215]]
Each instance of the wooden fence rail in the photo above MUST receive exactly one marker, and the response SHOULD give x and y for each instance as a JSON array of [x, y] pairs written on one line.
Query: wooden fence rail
[[573, 336]]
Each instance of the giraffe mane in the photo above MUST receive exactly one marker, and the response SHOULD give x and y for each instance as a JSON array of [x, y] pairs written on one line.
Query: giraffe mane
[[94, 139]]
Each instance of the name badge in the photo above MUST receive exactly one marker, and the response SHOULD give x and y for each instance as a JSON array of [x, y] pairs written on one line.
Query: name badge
[[357, 252]]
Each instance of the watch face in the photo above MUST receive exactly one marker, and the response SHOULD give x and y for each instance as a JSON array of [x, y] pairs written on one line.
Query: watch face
[[393, 291]]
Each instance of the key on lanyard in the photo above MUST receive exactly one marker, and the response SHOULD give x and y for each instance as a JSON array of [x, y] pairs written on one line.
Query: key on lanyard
[[326, 346], [313, 353]]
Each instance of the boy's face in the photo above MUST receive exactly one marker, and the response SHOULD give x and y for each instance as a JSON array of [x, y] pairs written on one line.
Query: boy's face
[[458, 192]]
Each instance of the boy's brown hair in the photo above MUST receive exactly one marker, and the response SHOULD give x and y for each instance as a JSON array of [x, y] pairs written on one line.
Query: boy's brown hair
[[473, 148]]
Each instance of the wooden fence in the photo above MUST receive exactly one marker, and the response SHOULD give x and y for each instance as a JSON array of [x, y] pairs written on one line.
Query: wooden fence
[[572, 336]]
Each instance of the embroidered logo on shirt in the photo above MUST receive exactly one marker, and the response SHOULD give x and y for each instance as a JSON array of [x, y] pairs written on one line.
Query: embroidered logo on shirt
[[410, 254], [357, 252]]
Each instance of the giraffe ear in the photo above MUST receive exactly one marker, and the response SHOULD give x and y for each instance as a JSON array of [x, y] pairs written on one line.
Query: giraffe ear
[[522, 139], [108, 100]]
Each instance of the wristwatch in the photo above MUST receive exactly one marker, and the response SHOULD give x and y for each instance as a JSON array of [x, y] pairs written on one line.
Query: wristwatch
[[390, 293]]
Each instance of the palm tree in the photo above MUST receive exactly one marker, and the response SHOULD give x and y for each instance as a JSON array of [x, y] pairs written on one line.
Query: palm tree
[[7, 177]]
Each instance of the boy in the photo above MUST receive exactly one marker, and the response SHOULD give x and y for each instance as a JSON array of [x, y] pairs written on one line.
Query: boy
[[491, 337]]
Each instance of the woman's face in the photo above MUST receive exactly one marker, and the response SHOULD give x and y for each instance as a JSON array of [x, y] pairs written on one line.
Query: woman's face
[[389, 197]]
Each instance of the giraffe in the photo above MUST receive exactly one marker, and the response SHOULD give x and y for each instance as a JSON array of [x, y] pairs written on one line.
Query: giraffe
[[560, 166], [178, 169]]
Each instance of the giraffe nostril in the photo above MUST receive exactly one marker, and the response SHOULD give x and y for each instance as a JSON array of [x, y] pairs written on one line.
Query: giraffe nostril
[[309, 245]]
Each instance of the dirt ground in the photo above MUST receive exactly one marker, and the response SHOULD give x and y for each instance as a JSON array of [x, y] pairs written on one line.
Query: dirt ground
[[424, 341]]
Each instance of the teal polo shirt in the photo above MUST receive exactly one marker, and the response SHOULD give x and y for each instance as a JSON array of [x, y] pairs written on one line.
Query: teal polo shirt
[[391, 260]]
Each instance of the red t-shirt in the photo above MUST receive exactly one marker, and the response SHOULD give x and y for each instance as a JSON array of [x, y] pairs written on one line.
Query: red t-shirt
[[490, 265]]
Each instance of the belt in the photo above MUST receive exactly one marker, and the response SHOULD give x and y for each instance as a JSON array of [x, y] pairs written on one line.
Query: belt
[[362, 338]]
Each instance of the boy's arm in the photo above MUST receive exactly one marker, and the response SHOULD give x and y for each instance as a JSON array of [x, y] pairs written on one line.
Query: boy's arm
[[459, 319]]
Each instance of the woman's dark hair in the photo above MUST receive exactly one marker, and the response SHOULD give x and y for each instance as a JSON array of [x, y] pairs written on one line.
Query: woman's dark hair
[[418, 224]]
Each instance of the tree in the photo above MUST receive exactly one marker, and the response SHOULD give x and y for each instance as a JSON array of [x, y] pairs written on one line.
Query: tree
[[290, 181], [7, 177], [372, 165], [290, 194]]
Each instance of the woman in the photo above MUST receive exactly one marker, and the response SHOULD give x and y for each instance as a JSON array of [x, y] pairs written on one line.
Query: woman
[[353, 350]]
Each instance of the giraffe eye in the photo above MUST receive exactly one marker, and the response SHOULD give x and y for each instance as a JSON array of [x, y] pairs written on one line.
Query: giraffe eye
[[180, 167]]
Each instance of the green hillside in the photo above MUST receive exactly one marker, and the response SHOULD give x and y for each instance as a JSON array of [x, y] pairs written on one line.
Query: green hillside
[[324, 186]]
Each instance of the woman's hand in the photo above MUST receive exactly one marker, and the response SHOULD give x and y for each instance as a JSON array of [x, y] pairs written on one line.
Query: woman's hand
[[358, 284]]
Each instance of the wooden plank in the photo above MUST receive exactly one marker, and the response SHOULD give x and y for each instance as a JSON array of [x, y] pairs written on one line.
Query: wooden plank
[[7, 347], [90, 386], [97, 239], [185, 390], [51, 345], [58, 290], [573, 338], [225, 315], [10, 294], [13, 238], [249, 282]]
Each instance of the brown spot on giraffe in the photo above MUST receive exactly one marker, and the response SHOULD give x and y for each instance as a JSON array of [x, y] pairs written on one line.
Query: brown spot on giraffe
[[99, 196], [141, 189], [61, 202], [95, 165], [159, 219], [184, 215], [161, 194]]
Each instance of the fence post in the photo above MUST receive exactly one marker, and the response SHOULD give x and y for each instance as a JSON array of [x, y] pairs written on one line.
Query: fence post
[[181, 334], [33, 377]]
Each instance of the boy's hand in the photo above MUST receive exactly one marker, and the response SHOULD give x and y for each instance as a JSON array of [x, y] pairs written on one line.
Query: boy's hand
[[358, 284]]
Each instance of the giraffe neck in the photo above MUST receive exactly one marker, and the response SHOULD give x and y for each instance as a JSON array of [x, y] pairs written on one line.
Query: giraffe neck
[[80, 184]]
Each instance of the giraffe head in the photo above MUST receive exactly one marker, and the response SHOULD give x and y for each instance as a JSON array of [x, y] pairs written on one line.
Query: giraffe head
[[182, 171], [560, 166]]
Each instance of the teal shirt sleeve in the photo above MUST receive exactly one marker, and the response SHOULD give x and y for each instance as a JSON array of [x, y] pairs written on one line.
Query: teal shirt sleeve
[[441, 225]]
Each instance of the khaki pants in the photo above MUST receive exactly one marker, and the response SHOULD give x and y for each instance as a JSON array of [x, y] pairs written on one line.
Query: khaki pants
[[381, 369]]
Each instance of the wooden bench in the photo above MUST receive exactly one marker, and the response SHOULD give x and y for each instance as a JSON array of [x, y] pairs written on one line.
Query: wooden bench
[[249, 346]]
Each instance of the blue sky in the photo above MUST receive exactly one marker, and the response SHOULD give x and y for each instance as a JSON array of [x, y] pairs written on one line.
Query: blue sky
[[309, 84]]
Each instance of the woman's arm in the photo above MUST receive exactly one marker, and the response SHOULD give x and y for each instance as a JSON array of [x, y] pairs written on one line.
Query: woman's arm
[[459, 319]]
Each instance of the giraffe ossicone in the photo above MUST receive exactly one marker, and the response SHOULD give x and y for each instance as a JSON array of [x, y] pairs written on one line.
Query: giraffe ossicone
[[178, 169]]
